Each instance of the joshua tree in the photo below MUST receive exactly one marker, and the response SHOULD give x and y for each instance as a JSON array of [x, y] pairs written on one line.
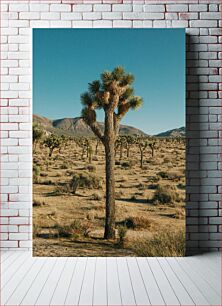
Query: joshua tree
[[120, 142], [89, 152], [37, 134], [152, 146], [130, 140], [114, 94], [142, 144], [52, 142], [97, 145]]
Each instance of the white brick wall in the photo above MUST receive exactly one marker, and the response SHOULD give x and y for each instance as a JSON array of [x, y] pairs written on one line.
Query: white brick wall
[[201, 20]]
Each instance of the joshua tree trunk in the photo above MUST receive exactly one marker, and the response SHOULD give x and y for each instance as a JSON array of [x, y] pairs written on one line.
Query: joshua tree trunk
[[110, 177], [121, 151], [128, 151], [141, 159]]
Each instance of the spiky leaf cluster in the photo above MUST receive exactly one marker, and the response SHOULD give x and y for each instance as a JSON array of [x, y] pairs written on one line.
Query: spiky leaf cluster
[[113, 91]]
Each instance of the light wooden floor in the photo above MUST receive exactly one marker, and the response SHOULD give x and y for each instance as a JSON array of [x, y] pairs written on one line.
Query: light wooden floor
[[27, 280]]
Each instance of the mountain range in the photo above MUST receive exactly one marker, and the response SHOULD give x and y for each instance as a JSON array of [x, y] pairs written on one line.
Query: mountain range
[[76, 126]]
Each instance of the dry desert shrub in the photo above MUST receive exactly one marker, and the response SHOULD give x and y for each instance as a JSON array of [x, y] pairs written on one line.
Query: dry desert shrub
[[122, 231], [165, 194], [163, 243], [96, 196], [137, 222]]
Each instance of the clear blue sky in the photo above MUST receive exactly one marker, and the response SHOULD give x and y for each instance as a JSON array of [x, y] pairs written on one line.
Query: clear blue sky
[[66, 60]]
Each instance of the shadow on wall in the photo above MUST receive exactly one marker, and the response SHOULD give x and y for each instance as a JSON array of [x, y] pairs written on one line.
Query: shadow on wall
[[197, 229]]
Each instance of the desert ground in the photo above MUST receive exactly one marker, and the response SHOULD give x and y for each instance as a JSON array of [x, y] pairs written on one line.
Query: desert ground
[[150, 201]]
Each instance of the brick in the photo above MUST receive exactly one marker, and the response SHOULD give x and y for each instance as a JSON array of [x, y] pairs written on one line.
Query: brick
[[137, 7], [20, 7], [197, 7], [29, 15], [122, 8], [180, 23], [154, 8], [18, 236], [177, 8], [82, 8], [93, 15], [187, 16], [133, 15], [208, 15], [112, 15], [9, 244], [82, 24], [203, 23], [60, 24], [102, 24], [60, 8], [51, 16], [171, 16], [39, 24], [122, 23], [36, 7], [102, 7], [71, 16]]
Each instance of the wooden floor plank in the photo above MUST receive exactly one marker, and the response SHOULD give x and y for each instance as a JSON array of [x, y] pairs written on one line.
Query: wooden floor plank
[[181, 293], [61, 290], [113, 285], [86, 294], [208, 292], [126, 289], [10, 261], [17, 279], [166, 289], [112, 281], [139, 288], [190, 286], [36, 287], [214, 280], [13, 270], [48, 290], [75, 286], [152, 288], [211, 261], [5, 255], [100, 283], [21, 290]]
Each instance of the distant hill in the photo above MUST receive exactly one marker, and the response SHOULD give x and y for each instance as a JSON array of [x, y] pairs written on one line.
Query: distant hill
[[180, 132], [77, 127]]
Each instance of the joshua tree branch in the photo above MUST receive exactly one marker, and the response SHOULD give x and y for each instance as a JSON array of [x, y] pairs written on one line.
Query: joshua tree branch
[[96, 130]]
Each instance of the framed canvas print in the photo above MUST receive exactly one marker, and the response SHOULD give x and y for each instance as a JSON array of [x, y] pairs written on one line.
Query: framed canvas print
[[108, 142]]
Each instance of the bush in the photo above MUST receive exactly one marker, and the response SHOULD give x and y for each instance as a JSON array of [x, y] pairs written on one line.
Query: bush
[[127, 164], [43, 174], [64, 166], [91, 168], [85, 181], [137, 222], [37, 203], [67, 231], [163, 243], [96, 196], [122, 230], [172, 175], [165, 194], [36, 173]]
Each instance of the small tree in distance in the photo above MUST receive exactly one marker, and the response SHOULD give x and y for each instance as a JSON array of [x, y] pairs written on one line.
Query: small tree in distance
[[114, 94], [52, 142]]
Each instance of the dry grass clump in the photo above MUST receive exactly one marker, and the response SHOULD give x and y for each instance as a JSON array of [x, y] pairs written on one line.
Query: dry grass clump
[[165, 194], [139, 222], [122, 231], [38, 203], [90, 168], [73, 230], [163, 243], [96, 196], [65, 166], [84, 180]]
